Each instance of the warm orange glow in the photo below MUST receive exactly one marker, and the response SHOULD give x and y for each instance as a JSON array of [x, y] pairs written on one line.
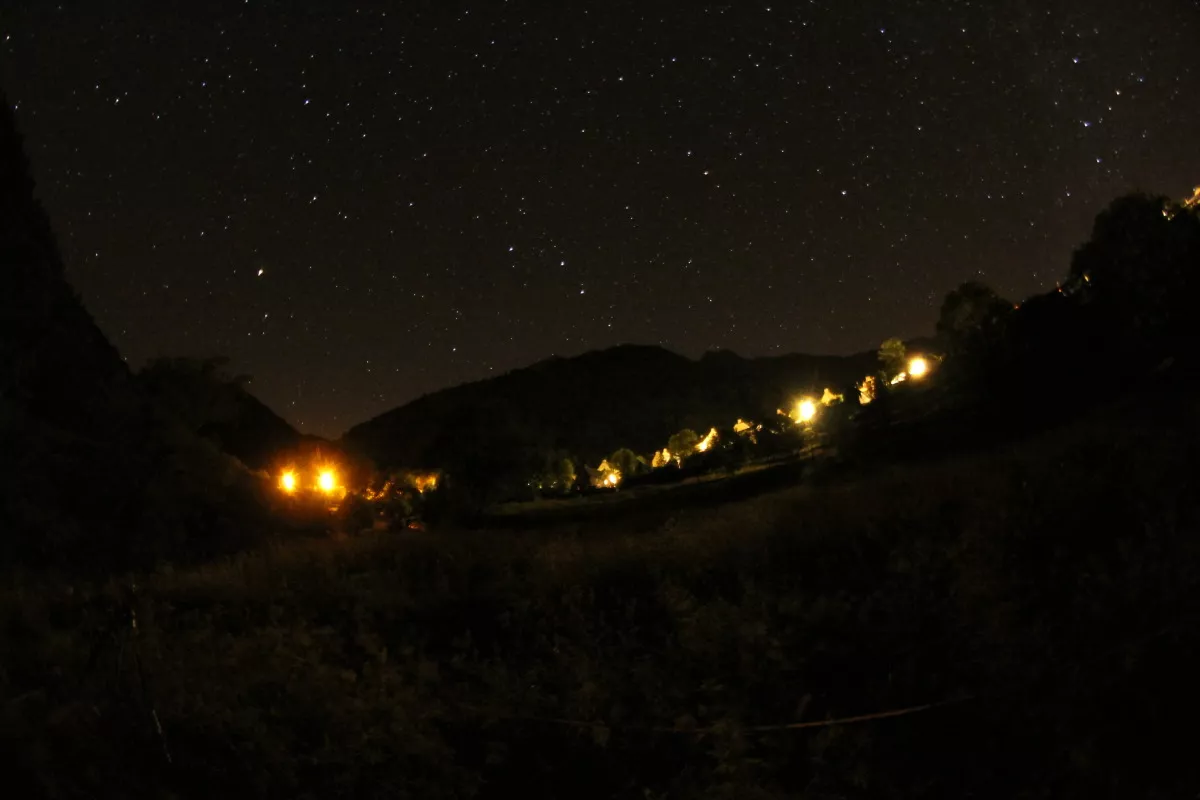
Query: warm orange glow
[[287, 481], [828, 398], [605, 476], [917, 367], [327, 481], [901, 378], [661, 458], [866, 390], [806, 410], [381, 493], [749, 430], [425, 483], [706, 443]]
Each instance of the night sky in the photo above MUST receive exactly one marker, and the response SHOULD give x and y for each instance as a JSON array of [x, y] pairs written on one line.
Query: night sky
[[364, 203]]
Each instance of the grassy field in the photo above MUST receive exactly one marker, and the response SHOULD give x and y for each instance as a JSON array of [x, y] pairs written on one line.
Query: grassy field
[[1044, 593]]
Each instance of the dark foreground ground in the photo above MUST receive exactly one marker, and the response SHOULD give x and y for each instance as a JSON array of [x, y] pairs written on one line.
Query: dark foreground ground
[[1045, 595]]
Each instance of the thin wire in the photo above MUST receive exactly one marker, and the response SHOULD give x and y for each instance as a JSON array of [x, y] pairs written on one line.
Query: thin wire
[[786, 726]]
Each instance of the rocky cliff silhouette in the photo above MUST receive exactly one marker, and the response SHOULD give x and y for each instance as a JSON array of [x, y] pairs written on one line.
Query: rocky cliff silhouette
[[89, 473]]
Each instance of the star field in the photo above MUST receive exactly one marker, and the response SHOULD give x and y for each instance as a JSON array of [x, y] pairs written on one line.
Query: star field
[[362, 204]]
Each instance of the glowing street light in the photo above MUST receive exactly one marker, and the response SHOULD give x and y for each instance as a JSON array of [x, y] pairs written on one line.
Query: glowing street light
[[287, 481], [917, 367], [806, 410], [326, 482]]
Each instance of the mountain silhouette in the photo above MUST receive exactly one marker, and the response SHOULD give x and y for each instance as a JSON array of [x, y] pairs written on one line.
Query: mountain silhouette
[[201, 396], [632, 396]]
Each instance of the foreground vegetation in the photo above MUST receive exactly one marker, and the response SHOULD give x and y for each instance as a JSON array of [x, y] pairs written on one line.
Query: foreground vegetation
[[1045, 592]]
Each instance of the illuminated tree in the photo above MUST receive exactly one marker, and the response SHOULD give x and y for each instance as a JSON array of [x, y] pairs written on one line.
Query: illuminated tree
[[893, 356], [829, 397], [558, 474], [605, 476], [1193, 202], [683, 444], [627, 462], [867, 390]]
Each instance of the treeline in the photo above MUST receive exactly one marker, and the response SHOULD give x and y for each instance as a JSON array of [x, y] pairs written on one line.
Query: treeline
[[1124, 307], [1121, 313]]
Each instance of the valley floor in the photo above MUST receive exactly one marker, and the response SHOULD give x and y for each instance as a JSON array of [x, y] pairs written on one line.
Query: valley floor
[[1043, 596]]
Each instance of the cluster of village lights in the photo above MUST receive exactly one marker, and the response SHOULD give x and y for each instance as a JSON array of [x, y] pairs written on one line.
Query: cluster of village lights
[[609, 476], [326, 481], [807, 407], [803, 413]]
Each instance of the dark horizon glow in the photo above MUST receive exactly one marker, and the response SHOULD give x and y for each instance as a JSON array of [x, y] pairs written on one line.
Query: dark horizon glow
[[359, 206]]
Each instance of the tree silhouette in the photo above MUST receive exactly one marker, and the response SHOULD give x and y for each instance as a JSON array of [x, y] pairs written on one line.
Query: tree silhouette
[[970, 312], [1141, 263]]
